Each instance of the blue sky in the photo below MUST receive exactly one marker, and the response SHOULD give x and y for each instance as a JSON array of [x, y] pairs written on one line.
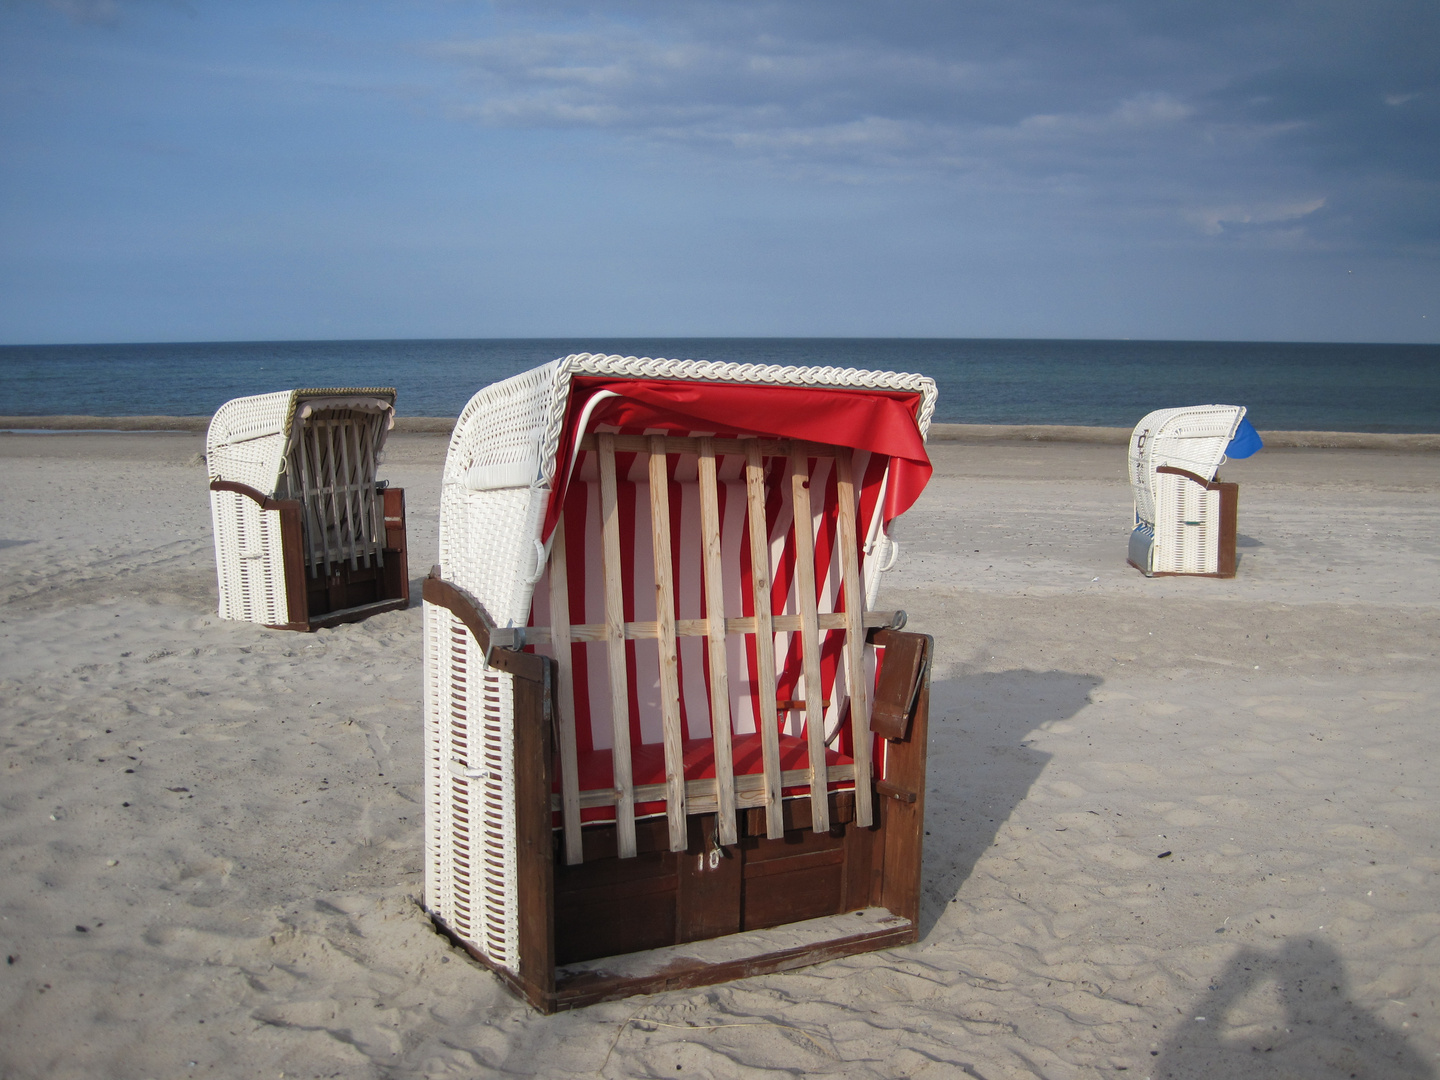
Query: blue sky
[[183, 170]]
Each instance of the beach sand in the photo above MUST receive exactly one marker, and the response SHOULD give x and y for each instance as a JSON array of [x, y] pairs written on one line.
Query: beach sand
[[210, 833]]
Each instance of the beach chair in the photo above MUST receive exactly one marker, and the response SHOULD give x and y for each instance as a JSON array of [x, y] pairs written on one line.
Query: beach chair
[[1185, 517], [304, 535], [656, 751]]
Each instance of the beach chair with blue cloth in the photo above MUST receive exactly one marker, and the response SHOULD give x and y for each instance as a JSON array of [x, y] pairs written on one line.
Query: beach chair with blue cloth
[[657, 750], [305, 536], [1185, 516]]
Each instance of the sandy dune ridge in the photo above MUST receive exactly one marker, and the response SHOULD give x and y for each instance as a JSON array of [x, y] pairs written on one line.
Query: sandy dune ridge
[[210, 833]]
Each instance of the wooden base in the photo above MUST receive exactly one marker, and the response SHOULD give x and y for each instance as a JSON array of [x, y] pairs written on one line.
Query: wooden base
[[610, 926]]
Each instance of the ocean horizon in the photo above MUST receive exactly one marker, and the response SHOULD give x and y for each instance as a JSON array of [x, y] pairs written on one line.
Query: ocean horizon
[[1386, 388]]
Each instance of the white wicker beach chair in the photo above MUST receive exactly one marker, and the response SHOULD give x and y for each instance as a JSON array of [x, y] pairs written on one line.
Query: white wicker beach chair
[[304, 535], [651, 708], [1185, 517]]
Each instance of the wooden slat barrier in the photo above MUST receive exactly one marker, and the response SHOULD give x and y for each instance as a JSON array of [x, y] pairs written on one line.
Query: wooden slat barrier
[[804, 526], [725, 793], [565, 695], [615, 639], [344, 515], [669, 659]]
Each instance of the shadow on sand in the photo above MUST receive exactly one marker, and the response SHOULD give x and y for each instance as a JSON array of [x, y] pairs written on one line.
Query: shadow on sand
[[1286, 1014], [980, 767]]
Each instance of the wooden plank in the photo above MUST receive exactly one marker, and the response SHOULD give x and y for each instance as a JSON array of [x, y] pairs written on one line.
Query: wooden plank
[[345, 524], [708, 894], [737, 956], [292, 554], [534, 861], [565, 697], [326, 479], [898, 686], [308, 497], [804, 526], [855, 678], [674, 737], [649, 631], [396, 541], [315, 502], [904, 810], [716, 628], [764, 636], [615, 639], [750, 790]]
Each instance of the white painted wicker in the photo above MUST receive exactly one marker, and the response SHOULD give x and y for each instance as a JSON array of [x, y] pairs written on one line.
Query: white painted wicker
[[1180, 519], [497, 481], [262, 442]]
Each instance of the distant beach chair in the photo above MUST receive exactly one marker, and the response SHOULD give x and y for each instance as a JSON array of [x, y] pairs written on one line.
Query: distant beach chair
[[1185, 517], [651, 712], [304, 535]]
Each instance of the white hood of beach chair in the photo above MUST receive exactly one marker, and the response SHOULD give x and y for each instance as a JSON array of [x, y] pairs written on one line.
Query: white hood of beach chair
[[1192, 438], [502, 468]]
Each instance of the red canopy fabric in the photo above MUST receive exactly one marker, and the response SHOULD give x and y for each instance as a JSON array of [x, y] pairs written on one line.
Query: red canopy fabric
[[881, 421]]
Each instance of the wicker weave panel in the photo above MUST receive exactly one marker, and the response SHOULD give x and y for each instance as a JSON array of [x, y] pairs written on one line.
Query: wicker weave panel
[[249, 560], [1187, 527], [469, 791]]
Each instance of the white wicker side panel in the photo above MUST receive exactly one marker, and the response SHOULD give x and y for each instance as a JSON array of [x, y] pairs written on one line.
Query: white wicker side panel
[[246, 440], [469, 791], [487, 547], [1187, 527], [249, 560]]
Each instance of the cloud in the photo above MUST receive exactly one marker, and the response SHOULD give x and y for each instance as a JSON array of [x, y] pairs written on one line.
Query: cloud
[[1233, 107], [1213, 220]]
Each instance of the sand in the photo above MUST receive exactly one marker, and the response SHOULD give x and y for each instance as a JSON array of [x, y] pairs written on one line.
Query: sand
[[210, 833]]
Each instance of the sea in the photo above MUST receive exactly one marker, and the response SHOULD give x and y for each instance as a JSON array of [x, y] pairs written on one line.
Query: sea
[[1285, 386]]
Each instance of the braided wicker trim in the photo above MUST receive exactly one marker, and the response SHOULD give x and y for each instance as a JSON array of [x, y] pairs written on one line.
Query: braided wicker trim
[[645, 367], [297, 396]]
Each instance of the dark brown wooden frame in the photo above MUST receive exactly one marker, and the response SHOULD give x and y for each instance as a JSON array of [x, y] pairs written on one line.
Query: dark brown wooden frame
[[1228, 562], [392, 581], [880, 866]]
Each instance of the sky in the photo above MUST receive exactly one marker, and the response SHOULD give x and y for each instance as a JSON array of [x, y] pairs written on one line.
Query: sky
[[189, 170]]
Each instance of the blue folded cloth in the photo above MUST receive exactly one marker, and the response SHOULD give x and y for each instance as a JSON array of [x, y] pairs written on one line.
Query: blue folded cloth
[[1245, 442]]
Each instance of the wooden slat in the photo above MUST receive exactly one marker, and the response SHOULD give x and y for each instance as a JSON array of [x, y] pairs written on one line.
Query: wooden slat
[[307, 502], [314, 504], [372, 512], [329, 470], [345, 524], [855, 677], [615, 639], [809, 635], [672, 734], [700, 795], [565, 695], [716, 629], [764, 637], [648, 631]]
